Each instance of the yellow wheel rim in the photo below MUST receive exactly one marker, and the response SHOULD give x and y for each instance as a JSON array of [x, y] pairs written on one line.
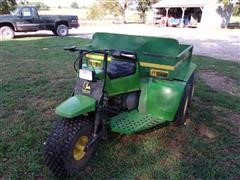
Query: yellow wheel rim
[[78, 150]]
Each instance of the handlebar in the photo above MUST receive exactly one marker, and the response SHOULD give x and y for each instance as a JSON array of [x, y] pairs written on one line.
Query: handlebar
[[112, 52], [120, 54], [71, 48]]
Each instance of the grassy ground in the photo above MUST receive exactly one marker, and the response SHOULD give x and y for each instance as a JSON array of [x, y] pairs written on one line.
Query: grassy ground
[[36, 75]]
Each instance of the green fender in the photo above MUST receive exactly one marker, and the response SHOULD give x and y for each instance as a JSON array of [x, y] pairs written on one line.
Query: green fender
[[161, 98], [75, 106]]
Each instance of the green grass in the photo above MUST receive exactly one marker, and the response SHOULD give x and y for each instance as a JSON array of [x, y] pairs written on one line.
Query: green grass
[[36, 75]]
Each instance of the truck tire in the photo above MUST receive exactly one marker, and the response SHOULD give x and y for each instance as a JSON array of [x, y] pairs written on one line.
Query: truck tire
[[6, 32], [62, 30], [64, 149]]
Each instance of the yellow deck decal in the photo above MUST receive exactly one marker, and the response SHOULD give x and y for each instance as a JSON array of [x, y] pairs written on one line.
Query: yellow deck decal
[[159, 66], [158, 72], [97, 57]]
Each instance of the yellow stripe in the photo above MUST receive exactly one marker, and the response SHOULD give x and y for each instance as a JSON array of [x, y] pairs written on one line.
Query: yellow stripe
[[159, 66], [97, 57], [144, 64]]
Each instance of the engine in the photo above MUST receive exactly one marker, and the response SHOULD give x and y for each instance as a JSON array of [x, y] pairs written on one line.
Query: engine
[[123, 102]]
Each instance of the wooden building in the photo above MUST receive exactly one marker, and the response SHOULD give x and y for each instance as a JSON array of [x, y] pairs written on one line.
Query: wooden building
[[191, 13]]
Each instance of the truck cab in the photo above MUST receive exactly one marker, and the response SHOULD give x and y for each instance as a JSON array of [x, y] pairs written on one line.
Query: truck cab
[[27, 19]]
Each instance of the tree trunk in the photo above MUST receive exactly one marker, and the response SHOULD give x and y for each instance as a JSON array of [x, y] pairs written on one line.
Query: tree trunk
[[124, 16], [226, 15], [143, 17]]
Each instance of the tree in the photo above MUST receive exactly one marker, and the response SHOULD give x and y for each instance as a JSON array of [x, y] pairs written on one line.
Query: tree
[[236, 6], [236, 10], [102, 8], [74, 5], [230, 7], [123, 6], [96, 11], [40, 6], [6, 6], [23, 2], [143, 6]]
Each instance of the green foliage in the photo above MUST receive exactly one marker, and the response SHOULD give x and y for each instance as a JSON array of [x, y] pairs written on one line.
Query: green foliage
[[236, 9], [143, 6], [40, 5], [74, 5], [96, 12], [102, 8], [23, 2], [6, 6]]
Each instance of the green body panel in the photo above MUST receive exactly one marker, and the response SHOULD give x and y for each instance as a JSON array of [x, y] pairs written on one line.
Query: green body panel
[[160, 98], [133, 121], [75, 106], [186, 71], [124, 84]]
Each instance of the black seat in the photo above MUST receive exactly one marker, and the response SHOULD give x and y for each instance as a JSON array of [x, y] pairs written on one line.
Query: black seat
[[118, 69]]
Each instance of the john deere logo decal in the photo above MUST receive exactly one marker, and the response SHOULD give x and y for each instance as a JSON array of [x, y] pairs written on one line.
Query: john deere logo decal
[[86, 87]]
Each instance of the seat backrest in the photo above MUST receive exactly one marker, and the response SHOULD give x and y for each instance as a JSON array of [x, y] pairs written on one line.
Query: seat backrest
[[138, 44]]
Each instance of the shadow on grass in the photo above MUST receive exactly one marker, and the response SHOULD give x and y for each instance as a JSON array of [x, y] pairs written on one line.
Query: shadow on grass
[[41, 35], [21, 36]]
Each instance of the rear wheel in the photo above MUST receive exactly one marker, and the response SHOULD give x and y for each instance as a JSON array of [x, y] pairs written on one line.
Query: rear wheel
[[64, 151], [62, 30], [192, 86], [6, 32], [183, 110]]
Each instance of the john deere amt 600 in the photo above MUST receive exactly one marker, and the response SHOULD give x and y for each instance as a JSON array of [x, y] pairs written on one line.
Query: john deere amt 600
[[127, 83]]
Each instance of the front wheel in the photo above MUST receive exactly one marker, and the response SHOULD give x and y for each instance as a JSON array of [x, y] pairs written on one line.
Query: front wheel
[[6, 32], [62, 30], [64, 151]]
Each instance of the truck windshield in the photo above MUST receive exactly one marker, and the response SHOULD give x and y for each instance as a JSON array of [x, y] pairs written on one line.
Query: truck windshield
[[14, 12]]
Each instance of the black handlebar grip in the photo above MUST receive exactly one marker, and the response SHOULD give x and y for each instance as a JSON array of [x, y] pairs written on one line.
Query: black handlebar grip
[[71, 48]]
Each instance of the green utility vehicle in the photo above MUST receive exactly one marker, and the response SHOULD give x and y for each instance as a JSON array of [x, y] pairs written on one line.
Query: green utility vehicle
[[126, 84]]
